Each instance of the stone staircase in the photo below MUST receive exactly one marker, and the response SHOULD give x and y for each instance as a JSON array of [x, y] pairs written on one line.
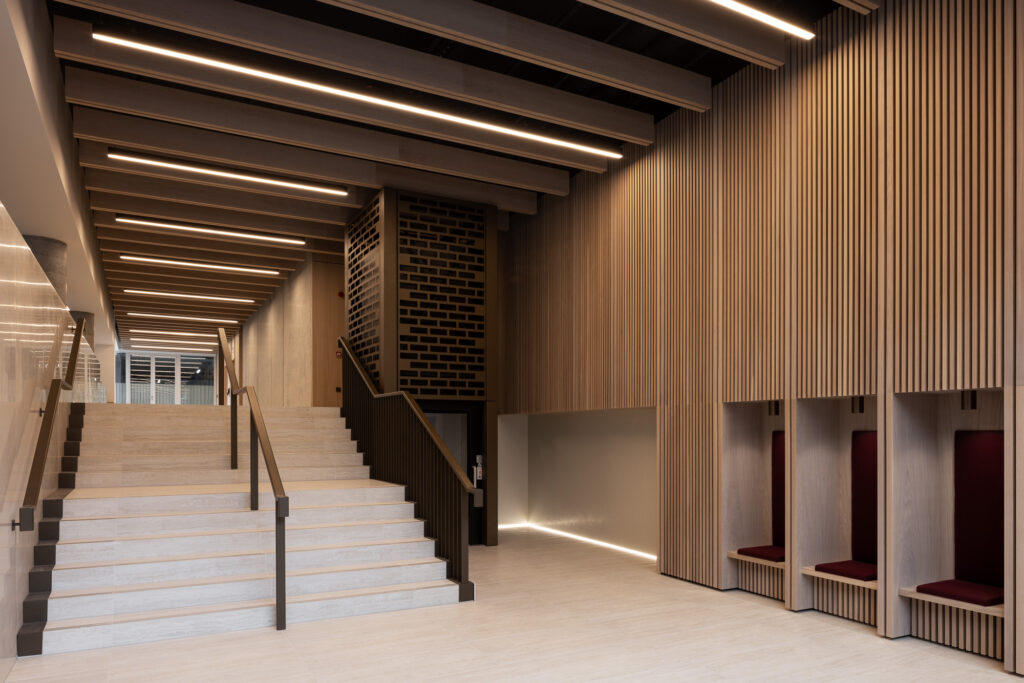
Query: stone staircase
[[157, 541]]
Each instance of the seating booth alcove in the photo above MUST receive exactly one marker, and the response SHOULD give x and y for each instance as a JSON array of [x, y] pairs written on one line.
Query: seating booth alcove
[[835, 503], [946, 519], [754, 492]]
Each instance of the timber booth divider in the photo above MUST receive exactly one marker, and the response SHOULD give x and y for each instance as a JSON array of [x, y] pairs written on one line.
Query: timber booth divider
[[402, 447]]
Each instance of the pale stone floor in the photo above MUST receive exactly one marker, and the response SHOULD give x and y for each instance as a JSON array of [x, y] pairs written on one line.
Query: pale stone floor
[[547, 608]]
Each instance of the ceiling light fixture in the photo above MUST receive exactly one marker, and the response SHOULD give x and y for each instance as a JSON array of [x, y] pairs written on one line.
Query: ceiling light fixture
[[352, 95], [164, 348], [180, 342], [179, 295], [758, 15], [196, 264], [179, 334], [211, 231], [203, 170], [222, 321]]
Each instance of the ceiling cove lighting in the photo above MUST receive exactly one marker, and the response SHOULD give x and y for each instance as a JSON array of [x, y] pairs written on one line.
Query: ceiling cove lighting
[[351, 95], [221, 321], [758, 15], [179, 295], [196, 264], [211, 231], [203, 170], [575, 537], [178, 334]]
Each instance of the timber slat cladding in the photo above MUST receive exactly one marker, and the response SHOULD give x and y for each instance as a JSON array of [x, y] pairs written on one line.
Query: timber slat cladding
[[855, 603], [981, 634], [760, 579], [745, 255], [365, 280]]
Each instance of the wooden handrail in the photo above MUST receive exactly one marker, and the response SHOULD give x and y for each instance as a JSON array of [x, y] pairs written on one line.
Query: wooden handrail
[[26, 515], [259, 439], [441, 446]]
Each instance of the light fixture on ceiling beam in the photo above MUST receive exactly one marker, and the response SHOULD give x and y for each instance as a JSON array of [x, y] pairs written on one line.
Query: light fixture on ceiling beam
[[180, 342], [161, 316], [180, 295], [764, 18], [204, 170], [352, 95], [177, 334], [196, 264], [164, 348], [210, 231]]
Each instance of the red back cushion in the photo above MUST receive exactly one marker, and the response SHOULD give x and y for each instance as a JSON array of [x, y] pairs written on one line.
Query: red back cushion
[[864, 496], [779, 489], [978, 507]]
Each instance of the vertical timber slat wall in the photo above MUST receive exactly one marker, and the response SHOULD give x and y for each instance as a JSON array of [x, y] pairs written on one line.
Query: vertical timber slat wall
[[876, 173]]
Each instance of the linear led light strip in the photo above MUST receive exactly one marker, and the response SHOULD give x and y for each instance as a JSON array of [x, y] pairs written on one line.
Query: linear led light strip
[[178, 334], [179, 342], [222, 321], [196, 264], [351, 95], [178, 295], [24, 282], [758, 15], [29, 324], [203, 170], [165, 348], [210, 231], [575, 537]]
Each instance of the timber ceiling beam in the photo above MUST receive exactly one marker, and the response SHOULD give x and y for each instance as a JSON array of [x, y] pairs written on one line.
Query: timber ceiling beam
[[284, 267], [860, 6], [232, 254], [702, 22], [127, 96], [121, 131], [505, 33], [199, 195], [236, 23], [73, 41]]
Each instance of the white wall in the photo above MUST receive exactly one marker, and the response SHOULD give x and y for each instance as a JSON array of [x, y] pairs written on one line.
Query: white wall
[[591, 473]]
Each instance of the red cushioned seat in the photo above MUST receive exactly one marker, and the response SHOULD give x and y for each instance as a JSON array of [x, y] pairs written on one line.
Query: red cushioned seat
[[851, 569], [772, 553], [964, 591]]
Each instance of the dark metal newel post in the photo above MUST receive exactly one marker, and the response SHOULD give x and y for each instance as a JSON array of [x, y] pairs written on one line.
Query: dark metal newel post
[[234, 431], [282, 512], [254, 476]]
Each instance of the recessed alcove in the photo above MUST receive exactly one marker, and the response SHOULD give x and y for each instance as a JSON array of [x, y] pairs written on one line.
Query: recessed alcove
[[945, 519], [753, 489], [835, 493]]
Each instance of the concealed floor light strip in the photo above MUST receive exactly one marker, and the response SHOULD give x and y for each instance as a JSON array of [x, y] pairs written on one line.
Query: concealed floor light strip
[[758, 15], [196, 264], [351, 95], [203, 170], [177, 334], [160, 316], [576, 537], [179, 295], [211, 231], [25, 282]]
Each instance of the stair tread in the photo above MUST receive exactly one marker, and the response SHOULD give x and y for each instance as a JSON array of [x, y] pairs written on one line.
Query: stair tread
[[233, 578], [259, 530], [85, 622], [238, 511], [84, 493], [245, 553]]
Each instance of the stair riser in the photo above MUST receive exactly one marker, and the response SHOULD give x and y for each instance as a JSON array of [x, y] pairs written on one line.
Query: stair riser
[[135, 463], [85, 638], [149, 505], [213, 431], [228, 476], [74, 530], [176, 570], [254, 541], [236, 591], [213, 447]]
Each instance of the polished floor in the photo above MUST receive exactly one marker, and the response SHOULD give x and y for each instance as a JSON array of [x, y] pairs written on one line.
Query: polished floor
[[548, 608]]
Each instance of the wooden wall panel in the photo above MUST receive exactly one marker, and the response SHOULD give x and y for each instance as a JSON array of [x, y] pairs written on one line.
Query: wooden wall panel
[[832, 228]]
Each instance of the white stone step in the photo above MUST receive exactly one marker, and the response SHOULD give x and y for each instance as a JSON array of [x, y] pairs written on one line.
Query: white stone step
[[189, 461], [206, 591], [152, 547], [120, 573], [82, 634], [169, 448], [224, 476], [120, 501], [81, 528]]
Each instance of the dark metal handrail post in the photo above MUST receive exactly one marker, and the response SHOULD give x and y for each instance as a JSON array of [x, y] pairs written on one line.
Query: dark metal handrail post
[[234, 430], [254, 470], [281, 505]]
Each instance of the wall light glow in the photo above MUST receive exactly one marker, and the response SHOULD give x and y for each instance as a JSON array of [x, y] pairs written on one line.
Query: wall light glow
[[764, 18], [351, 95], [576, 537]]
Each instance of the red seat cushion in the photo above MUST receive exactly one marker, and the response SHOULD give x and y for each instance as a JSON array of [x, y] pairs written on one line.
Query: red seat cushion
[[772, 553], [964, 591], [851, 569]]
